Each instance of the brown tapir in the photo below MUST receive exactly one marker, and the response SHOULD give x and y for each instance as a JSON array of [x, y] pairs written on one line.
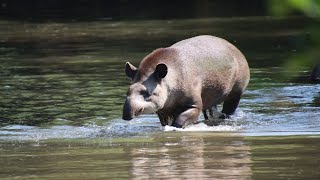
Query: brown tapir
[[180, 81]]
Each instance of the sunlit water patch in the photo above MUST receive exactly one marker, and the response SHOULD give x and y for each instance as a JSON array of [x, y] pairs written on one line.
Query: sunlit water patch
[[303, 94], [290, 109], [283, 110]]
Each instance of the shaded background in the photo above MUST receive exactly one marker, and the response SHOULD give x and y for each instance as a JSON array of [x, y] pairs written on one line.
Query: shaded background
[[62, 88], [60, 10]]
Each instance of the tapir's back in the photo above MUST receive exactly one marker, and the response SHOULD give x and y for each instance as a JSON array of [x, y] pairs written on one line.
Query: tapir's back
[[208, 52], [209, 56], [214, 63]]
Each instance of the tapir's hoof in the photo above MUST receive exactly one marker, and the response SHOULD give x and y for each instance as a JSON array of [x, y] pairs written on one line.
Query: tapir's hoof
[[224, 116], [177, 125]]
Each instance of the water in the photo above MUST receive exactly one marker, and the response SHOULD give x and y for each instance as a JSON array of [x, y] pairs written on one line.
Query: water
[[62, 88], [173, 155]]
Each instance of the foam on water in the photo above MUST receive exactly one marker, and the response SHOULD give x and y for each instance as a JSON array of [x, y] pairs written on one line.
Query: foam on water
[[135, 127], [235, 124], [20, 132], [116, 128], [204, 127], [142, 126]]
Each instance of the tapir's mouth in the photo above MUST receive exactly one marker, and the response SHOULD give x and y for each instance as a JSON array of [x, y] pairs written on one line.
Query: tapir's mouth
[[138, 112], [130, 116], [127, 118]]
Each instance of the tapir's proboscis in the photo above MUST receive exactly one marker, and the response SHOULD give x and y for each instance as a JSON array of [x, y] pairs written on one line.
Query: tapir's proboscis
[[183, 80]]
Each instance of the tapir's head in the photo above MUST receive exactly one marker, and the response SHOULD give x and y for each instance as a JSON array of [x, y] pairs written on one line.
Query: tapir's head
[[148, 92]]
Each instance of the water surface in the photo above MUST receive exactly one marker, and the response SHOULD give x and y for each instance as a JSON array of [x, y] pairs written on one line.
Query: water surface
[[62, 88]]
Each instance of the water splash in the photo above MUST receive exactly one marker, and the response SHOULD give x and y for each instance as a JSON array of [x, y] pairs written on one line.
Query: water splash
[[237, 123], [33, 133], [276, 111], [136, 127]]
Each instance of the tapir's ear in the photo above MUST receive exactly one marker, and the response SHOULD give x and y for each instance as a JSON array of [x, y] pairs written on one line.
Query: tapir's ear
[[161, 71], [130, 70]]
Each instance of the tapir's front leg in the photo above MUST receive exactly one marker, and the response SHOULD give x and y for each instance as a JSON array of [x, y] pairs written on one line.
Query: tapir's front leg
[[187, 117]]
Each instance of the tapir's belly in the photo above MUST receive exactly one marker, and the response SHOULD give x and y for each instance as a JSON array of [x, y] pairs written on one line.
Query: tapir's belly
[[215, 85], [213, 96]]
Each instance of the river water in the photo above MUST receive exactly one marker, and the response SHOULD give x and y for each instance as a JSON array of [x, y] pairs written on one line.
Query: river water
[[62, 88]]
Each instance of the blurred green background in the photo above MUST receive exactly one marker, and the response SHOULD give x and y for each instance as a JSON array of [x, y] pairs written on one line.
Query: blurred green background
[[310, 8], [117, 10]]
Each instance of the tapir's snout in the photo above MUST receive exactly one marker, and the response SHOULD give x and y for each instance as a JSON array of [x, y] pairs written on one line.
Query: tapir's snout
[[127, 111], [130, 111]]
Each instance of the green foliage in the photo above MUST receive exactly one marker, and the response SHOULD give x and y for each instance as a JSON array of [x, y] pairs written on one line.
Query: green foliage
[[310, 55], [310, 8]]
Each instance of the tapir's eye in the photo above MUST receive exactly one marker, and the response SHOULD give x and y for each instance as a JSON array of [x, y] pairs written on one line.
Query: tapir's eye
[[145, 93]]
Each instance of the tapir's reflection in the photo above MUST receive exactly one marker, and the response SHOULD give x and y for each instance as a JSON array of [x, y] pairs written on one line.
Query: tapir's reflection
[[193, 157]]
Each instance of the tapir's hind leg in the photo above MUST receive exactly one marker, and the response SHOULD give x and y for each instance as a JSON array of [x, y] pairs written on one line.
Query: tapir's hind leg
[[211, 111], [231, 103], [215, 117]]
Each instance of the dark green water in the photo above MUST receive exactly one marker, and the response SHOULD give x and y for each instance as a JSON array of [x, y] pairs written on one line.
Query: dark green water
[[62, 87]]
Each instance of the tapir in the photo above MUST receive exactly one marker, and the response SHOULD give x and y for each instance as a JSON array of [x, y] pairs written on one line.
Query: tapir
[[181, 81]]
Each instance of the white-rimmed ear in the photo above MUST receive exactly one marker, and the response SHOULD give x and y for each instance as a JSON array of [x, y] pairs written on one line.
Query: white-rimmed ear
[[130, 70]]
